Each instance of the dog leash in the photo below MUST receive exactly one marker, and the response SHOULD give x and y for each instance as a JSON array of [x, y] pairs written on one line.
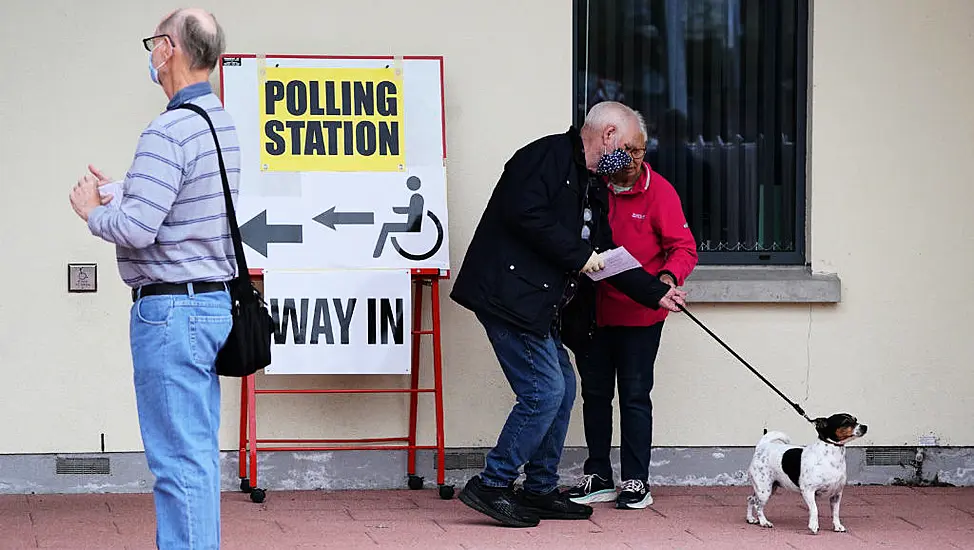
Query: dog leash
[[794, 405]]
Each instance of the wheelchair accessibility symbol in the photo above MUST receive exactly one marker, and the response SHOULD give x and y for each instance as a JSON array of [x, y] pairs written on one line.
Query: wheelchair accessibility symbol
[[415, 214], [412, 225]]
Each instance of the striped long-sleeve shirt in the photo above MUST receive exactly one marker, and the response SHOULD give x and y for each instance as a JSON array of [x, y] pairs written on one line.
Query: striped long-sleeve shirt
[[169, 224]]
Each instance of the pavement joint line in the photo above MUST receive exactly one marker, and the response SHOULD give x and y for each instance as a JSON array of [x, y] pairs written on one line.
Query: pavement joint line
[[437, 523], [955, 507], [909, 522]]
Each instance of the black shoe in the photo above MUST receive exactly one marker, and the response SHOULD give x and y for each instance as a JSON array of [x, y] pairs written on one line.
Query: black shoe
[[554, 505], [591, 489], [635, 495], [497, 502]]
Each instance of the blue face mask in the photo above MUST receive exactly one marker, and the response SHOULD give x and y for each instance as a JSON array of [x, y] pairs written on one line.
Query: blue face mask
[[153, 71], [613, 161]]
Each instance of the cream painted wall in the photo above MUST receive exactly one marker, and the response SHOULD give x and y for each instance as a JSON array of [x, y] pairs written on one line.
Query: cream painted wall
[[891, 134]]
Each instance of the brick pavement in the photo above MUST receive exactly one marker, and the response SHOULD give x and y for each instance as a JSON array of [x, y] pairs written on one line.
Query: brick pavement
[[682, 517]]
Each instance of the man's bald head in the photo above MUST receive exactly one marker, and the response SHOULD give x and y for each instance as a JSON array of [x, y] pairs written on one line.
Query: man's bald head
[[610, 125], [197, 34], [612, 114]]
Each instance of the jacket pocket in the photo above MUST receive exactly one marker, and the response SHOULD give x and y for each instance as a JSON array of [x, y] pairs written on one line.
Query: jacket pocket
[[522, 295]]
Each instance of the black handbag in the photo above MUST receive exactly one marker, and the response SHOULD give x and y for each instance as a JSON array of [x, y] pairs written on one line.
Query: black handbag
[[248, 348], [577, 318]]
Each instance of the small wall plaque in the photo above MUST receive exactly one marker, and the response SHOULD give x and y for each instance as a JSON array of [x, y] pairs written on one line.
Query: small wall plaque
[[82, 277]]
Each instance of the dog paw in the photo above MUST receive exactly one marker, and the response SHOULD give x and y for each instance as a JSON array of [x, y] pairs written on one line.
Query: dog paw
[[839, 528], [752, 521], [813, 530], [767, 525]]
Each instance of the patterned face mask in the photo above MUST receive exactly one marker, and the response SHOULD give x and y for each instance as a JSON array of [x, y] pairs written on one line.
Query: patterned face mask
[[613, 161]]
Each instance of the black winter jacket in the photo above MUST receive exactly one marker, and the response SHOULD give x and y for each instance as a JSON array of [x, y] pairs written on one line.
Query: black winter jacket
[[528, 243]]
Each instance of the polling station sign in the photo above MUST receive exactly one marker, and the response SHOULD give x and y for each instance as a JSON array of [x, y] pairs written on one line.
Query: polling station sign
[[322, 140], [332, 120]]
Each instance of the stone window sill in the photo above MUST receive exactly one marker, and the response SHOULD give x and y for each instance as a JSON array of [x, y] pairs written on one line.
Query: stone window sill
[[762, 284]]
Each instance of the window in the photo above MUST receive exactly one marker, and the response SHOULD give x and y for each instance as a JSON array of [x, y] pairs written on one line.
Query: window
[[722, 86]]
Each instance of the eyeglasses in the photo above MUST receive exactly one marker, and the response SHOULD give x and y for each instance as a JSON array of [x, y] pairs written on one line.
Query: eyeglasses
[[153, 41], [636, 153], [586, 224]]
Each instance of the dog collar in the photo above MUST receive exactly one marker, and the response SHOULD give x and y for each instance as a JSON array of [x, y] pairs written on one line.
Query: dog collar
[[833, 442]]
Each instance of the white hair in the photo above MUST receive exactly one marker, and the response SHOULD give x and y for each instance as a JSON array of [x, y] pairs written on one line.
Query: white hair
[[613, 113], [642, 126]]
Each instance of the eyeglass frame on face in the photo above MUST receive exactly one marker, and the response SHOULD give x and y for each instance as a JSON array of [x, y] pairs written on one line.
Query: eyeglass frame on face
[[635, 152], [149, 43]]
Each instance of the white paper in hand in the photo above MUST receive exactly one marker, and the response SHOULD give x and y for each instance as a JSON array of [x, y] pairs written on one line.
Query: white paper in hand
[[616, 261], [114, 189]]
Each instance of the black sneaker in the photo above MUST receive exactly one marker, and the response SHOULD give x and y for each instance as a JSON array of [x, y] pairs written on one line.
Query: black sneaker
[[554, 505], [635, 495], [592, 488], [497, 502]]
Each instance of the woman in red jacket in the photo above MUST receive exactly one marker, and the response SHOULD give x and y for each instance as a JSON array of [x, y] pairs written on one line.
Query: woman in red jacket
[[647, 219]]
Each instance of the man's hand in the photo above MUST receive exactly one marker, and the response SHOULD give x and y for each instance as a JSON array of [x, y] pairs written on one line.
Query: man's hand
[[673, 299], [102, 181], [594, 263], [668, 279], [85, 196]]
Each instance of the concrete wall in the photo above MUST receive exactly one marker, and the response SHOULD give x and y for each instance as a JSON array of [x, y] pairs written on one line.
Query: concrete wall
[[891, 135]]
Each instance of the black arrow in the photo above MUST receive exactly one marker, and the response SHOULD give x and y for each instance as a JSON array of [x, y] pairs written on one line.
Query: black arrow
[[257, 234], [329, 218]]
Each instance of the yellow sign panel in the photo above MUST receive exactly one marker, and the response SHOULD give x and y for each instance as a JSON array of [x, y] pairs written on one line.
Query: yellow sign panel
[[332, 120]]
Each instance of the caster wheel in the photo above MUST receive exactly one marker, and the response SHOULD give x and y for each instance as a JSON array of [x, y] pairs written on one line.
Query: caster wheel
[[245, 485], [446, 492], [257, 495], [415, 482]]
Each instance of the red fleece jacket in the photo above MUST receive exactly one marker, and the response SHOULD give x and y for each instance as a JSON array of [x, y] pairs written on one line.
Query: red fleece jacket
[[648, 221]]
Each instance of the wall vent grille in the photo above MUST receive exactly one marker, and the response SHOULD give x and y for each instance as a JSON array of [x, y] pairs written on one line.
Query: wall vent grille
[[83, 466], [890, 456], [464, 461]]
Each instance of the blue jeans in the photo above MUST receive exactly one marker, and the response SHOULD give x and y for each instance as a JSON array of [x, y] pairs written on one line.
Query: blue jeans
[[543, 380], [175, 340]]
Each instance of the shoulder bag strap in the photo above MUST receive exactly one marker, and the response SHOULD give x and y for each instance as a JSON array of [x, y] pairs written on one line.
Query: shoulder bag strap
[[242, 271]]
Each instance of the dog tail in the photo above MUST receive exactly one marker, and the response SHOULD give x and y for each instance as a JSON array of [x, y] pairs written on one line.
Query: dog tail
[[775, 437]]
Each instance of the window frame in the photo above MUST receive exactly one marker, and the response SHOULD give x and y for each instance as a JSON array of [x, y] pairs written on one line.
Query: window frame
[[745, 258]]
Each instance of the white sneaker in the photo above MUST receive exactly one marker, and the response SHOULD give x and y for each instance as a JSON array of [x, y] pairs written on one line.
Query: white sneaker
[[635, 495]]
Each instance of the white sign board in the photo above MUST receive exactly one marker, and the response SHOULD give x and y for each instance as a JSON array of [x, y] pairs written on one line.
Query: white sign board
[[342, 161], [340, 322]]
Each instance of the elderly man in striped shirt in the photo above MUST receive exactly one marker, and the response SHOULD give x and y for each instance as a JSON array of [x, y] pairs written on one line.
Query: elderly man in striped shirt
[[168, 222]]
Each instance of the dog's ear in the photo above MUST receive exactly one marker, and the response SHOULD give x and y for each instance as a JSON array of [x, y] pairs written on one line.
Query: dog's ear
[[821, 423]]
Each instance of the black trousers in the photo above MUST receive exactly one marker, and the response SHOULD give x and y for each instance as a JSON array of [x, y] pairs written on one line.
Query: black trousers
[[627, 354]]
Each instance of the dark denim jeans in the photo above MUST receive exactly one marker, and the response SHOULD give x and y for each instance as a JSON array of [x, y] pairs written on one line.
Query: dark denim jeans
[[543, 380], [629, 354]]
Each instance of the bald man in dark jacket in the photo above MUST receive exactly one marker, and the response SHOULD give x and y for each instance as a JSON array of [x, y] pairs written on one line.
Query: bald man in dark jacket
[[546, 221]]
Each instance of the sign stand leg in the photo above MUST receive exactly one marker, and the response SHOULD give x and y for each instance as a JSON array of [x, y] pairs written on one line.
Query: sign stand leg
[[446, 491], [242, 446], [256, 495], [415, 482]]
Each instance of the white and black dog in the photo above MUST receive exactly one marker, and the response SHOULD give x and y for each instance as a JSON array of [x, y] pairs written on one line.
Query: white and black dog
[[818, 469]]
